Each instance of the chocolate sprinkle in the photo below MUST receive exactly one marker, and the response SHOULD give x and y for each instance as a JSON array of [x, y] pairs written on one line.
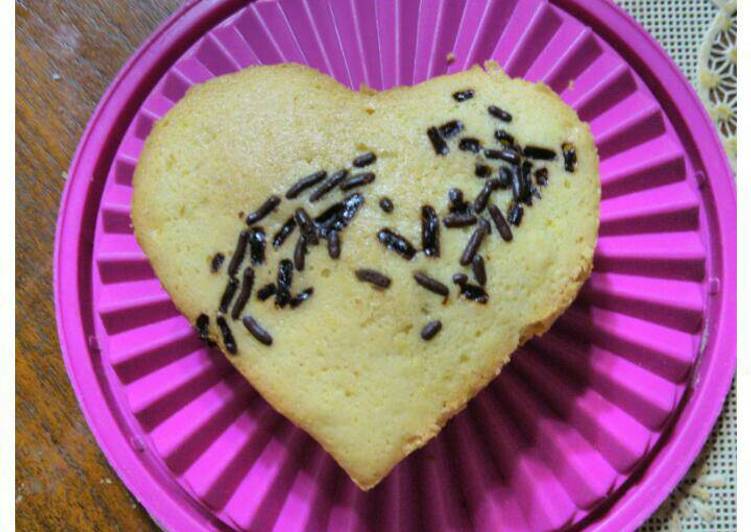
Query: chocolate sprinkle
[[478, 269], [284, 232], [493, 154], [510, 155], [339, 215], [526, 191], [439, 145], [300, 298], [396, 243], [505, 176], [229, 340], [515, 214], [377, 279], [500, 223], [307, 227], [459, 278], [429, 283], [357, 180], [430, 330], [463, 96], [266, 291], [536, 152], [334, 244], [239, 254], [202, 327], [283, 283], [257, 240], [481, 201], [470, 291], [499, 113], [229, 293], [469, 144], [386, 205], [216, 262], [474, 293], [456, 201], [245, 290], [301, 249], [474, 242], [363, 160], [504, 137], [495, 184], [451, 129], [304, 183], [330, 184], [482, 170], [459, 219], [431, 245], [569, 156], [269, 205], [541, 176], [519, 187], [258, 332]]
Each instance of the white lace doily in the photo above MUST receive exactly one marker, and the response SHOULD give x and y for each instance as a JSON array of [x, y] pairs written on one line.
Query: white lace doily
[[717, 75], [700, 36]]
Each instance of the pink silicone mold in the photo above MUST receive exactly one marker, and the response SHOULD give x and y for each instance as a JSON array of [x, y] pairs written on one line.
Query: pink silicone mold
[[590, 426]]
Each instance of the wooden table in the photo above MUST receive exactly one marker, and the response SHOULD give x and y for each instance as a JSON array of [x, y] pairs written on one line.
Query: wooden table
[[67, 52]]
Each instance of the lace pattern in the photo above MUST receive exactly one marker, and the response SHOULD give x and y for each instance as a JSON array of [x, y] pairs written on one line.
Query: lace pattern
[[717, 75]]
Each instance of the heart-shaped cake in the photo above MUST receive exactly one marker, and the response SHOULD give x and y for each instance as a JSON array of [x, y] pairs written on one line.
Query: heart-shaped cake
[[369, 260]]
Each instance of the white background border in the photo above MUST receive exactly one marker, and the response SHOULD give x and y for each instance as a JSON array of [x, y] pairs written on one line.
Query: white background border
[[7, 277]]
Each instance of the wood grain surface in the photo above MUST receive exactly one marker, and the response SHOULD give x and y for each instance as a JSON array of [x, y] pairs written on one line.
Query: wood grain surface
[[67, 52]]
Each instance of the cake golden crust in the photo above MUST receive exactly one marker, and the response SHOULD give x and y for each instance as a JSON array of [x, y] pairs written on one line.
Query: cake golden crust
[[349, 365]]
